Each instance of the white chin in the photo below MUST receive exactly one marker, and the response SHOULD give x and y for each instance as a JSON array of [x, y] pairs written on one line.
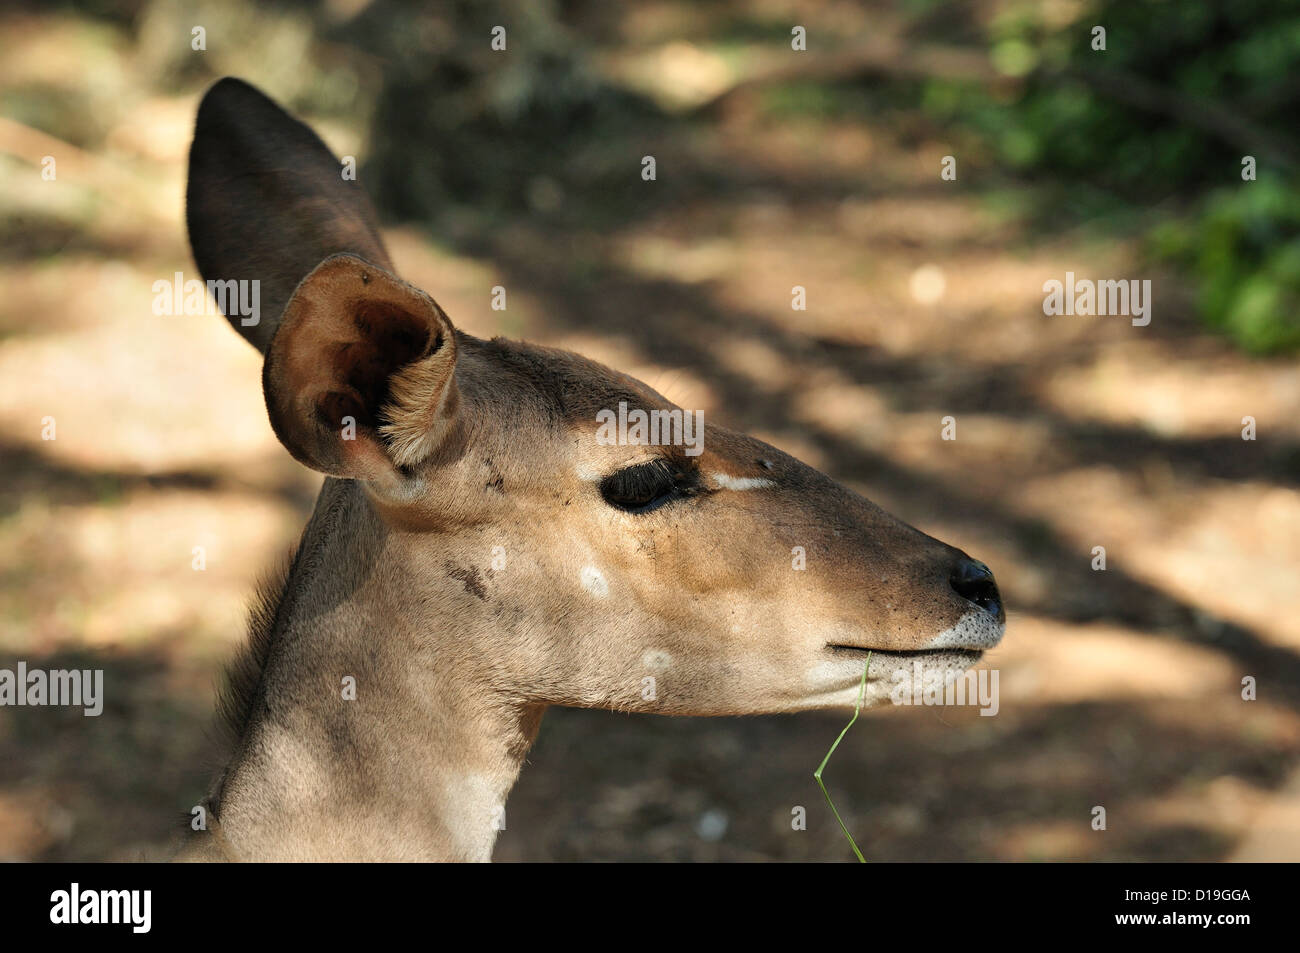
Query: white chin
[[837, 681]]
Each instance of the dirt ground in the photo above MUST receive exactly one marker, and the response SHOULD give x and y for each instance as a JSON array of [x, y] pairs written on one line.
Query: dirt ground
[[1119, 688]]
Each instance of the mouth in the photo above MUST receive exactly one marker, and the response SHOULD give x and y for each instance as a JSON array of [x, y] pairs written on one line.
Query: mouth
[[968, 656]]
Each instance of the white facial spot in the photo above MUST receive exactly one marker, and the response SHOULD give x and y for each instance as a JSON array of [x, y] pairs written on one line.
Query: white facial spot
[[822, 673], [586, 474], [594, 582], [974, 630], [728, 482], [838, 682], [656, 660]]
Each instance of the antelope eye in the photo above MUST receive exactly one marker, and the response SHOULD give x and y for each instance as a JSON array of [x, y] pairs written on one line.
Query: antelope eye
[[646, 486]]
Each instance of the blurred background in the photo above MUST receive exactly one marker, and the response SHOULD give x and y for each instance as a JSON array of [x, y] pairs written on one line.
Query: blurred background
[[775, 168]]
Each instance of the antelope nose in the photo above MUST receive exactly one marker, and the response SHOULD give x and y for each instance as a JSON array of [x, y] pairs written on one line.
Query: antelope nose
[[973, 581]]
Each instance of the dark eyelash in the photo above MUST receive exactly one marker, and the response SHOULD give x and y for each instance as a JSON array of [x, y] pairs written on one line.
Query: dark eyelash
[[648, 486]]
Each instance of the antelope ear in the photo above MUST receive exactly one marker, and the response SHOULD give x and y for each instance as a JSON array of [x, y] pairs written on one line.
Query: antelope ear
[[360, 376], [267, 201]]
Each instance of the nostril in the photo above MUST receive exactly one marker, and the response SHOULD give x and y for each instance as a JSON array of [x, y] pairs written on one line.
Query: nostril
[[973, 581]]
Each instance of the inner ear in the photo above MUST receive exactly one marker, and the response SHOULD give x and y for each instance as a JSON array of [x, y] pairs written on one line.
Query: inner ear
[[383, 340], [359, 378]]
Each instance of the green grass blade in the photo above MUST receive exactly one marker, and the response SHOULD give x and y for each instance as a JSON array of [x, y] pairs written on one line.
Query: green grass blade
[[862, 692]]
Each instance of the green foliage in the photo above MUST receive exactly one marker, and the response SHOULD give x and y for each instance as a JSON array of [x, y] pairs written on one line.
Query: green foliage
[[1244, 247], [1071, 124]]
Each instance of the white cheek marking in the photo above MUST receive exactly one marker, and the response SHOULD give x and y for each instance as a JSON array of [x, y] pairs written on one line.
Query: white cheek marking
[[593, 581], [974, 630], [728, 482], [656, 659], [822, 674]]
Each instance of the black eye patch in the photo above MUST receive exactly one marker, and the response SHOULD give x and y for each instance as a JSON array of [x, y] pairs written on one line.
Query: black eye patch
[[648, 486]]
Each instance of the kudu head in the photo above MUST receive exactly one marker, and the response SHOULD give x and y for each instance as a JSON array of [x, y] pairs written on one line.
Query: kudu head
[[487, 548]]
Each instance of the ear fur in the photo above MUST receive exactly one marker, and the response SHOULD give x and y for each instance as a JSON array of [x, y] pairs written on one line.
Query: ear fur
[[360, 376]]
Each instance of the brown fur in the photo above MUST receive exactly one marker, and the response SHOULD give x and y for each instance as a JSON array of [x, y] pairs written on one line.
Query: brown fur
[[243, 675]]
